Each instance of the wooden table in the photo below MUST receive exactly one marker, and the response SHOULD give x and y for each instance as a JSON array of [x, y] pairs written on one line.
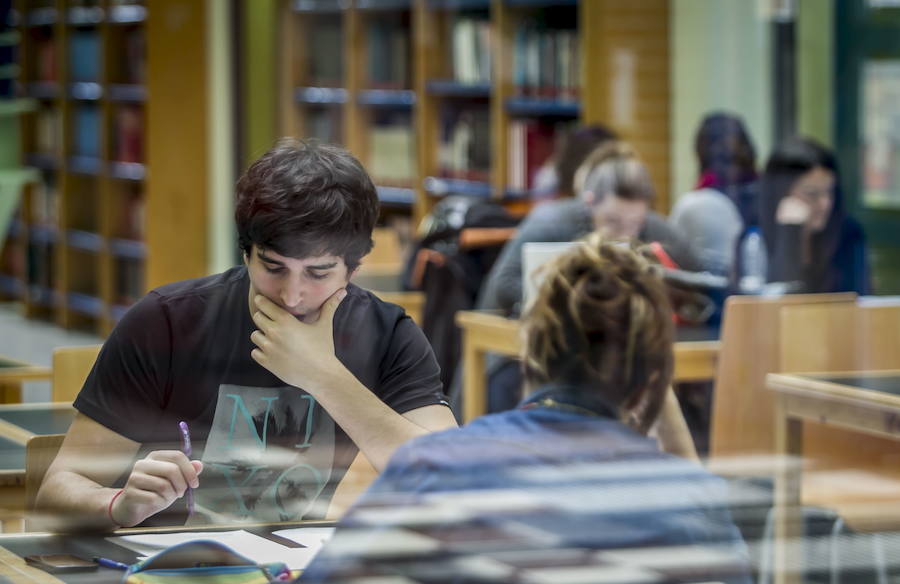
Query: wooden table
[[13, 372], [18, 423], [696, 351], [866, 402]]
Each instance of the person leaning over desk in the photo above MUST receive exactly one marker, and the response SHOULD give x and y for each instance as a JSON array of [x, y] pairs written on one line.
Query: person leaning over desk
[[614, 195], [280, 368], [569, 471]]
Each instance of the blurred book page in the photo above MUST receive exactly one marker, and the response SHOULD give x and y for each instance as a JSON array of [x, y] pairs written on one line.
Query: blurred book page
[[249, 545]]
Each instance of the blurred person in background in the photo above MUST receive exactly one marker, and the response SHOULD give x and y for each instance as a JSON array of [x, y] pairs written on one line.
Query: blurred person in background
[[811, 242], [556, 179], [614, 195], [724, 202], [568, 472]]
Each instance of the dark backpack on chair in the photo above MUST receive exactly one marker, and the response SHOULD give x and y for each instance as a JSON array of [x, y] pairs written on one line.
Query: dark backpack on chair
[[461, 241]]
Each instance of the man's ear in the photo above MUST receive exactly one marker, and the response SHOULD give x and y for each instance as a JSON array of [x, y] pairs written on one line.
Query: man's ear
[[351, 273], [588, 197]]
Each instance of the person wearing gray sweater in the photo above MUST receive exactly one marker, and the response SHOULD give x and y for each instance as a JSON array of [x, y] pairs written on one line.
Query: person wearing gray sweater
[[614, 196]]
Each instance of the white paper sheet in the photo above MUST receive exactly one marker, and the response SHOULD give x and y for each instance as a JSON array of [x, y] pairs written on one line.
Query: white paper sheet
[[254, 547]]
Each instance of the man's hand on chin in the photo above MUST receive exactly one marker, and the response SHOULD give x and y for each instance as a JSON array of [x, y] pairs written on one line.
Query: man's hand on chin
[[298, 350]]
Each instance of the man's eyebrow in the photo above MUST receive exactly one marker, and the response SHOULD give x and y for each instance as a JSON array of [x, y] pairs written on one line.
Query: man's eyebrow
[[267, 259], [322, 266]]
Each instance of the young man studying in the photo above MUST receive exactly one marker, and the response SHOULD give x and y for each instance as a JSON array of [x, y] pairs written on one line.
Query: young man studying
[[280, 370]]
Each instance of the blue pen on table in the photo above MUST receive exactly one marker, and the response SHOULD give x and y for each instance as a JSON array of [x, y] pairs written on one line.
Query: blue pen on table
[[107, 563], [186, 448]]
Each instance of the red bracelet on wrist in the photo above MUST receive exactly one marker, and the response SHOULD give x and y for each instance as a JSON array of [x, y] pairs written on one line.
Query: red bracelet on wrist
[[109, 507]]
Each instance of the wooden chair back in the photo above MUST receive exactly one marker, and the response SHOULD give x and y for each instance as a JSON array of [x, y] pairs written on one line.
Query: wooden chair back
[[71, 366], [743, 409], [412, 302], [848, 337], [40, 451], [840, 338]]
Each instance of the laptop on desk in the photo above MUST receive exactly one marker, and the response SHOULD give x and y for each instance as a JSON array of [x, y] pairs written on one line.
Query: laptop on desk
[[534, 255]]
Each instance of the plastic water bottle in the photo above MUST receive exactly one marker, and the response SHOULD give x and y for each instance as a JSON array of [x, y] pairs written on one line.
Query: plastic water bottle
[[754, 262]]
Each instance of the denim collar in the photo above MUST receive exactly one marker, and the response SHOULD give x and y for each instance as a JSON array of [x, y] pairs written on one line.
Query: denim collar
[[565, 397]]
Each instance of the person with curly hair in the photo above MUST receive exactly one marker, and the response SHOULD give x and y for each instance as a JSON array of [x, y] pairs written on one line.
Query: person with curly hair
[[570, 471]]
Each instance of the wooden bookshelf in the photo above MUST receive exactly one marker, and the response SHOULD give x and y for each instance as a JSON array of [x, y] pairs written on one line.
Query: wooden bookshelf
[[99, 229], [585, 61]]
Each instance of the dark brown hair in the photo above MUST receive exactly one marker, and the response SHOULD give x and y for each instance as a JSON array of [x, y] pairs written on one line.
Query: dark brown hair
[[789, 162], [304, 199], [576, 147], [602, 322], [724, 149]]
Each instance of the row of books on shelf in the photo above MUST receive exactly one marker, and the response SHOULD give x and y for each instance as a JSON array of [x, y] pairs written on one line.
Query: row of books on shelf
[[127, 214], [36, 270], [326, 52], [84, 56], [127, 132], [471, 49], [388, 54], [45, 68], [325, 124], [531, 146], [47, 128], [42, 13], [392, 150], [465, 148], [546, 63], [45, 202]]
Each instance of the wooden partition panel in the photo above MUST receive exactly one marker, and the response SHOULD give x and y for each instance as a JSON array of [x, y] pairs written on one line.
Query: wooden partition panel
[[743, 409], [625, 73], [849, 466], [71, 366], [177, 153]]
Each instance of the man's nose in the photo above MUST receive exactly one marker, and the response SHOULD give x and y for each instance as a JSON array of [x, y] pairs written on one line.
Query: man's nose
[[291, 293]]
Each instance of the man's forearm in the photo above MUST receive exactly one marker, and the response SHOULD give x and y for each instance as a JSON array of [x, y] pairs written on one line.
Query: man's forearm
[[68, 501], [375, 428]]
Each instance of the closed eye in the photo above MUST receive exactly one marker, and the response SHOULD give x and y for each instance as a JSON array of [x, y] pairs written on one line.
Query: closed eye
[[274, 270], [318, 275]]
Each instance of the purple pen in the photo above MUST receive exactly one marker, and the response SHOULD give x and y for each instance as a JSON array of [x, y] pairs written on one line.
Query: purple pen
[[186, 448]]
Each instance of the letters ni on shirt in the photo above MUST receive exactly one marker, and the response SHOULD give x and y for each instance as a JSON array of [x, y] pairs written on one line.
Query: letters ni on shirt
[[269, 455]]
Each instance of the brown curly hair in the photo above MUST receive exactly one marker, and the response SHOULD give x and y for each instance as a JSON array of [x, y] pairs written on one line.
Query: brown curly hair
[[602, 322]]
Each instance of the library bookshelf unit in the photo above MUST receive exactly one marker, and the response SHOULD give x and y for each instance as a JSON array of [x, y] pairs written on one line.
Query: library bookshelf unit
[[469, 97], [79, 250]]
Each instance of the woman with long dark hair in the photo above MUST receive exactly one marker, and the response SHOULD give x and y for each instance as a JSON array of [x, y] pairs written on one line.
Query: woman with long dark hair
[[811, 242]]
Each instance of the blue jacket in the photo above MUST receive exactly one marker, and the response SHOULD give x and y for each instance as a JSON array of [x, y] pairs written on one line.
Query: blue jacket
[[540, 488]]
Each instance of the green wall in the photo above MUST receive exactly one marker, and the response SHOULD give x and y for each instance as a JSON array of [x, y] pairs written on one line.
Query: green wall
[[720, 61], [815, 69], [259, 83], [220, 64]]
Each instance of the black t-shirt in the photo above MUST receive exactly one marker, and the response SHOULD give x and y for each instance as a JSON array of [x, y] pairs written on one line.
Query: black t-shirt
[[270, 452]]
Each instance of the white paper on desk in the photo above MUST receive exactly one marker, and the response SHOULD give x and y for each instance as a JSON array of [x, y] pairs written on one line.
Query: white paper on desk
[[312, 537], [254, 547]]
